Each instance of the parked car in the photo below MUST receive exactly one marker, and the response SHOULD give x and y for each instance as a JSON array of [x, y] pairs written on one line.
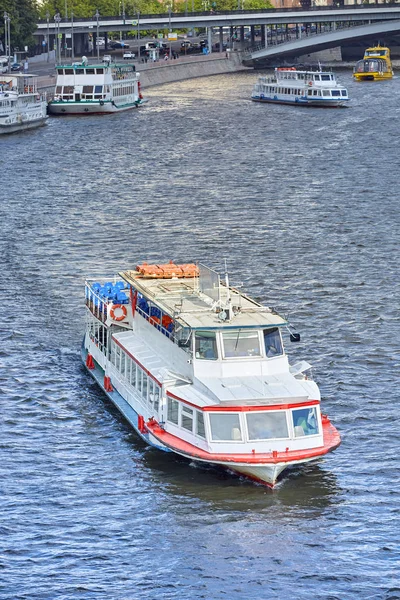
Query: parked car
[[129, 55], [107, 58], [16, 67], [116, 45]]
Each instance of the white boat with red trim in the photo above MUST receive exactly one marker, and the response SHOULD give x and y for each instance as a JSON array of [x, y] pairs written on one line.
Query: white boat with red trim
[[199, 368], [289, 85]]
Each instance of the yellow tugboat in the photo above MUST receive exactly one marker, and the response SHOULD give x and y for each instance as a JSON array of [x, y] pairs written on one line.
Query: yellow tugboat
[[375, 65]]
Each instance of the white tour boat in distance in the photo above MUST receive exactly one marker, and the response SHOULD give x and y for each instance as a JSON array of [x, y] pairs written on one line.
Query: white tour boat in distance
[[199, 369], [22, 107], [87, 89], [301, 88]]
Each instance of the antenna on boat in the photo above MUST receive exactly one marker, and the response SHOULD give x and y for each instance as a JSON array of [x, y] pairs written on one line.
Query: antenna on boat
[[228, 293]]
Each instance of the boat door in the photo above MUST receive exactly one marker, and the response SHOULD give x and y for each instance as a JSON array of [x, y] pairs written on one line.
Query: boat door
[[77, 93]]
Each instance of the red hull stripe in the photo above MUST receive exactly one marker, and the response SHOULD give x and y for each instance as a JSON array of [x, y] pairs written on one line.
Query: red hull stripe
[[136, 361], [244, 408], [331, 439]]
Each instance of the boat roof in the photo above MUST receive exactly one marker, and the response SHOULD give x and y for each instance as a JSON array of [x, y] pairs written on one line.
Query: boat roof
[[184, 295], [100, 65], [242, 390]]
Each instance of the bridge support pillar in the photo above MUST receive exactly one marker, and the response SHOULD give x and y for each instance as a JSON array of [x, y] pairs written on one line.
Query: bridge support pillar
[[231, 37], [264, 36], [252, 36], [221, 39], [79, 44], [242, 34], [209, 38]]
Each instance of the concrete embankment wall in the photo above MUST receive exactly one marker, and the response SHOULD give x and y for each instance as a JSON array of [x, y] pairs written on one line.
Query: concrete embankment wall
[[180, 69]]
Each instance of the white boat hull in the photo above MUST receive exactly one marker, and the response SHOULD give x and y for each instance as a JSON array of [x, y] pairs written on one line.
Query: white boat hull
[[302, 102], [89, 108], [23, 126]]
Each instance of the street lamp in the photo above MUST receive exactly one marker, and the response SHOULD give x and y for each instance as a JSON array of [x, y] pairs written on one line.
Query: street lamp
[[57, 20], [48, 35], [7, 37], [170, 30], [97, 15], [138, 36], [72, 37]]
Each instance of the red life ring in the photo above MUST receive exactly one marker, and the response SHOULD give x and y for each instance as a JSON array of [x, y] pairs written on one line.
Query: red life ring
[[310, 83], [113, 309]]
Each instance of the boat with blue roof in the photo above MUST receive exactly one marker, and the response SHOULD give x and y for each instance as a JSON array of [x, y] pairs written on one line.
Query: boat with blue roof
[[198, 368]]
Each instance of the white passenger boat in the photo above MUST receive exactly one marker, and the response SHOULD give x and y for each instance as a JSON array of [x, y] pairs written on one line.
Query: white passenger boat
[[21, 105], [199, 369], [302, 88], [84, 88]]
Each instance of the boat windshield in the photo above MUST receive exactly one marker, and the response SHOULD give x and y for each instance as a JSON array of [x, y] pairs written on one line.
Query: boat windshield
[[241, 343], [273, 342], [305, 421], [206, 345], [267, 425], [375, 52]]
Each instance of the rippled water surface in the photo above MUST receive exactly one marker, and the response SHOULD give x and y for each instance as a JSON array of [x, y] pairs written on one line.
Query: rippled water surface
[[304, 203]]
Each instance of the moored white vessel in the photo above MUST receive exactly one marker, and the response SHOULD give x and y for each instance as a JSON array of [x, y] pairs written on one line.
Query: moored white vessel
[[301, 88], [199, 368], [83, 88], [22, 107]]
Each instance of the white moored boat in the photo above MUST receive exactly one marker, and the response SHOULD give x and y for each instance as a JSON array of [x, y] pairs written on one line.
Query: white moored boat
[[199, 369], [302, 88], [84, 88], [21, 105]]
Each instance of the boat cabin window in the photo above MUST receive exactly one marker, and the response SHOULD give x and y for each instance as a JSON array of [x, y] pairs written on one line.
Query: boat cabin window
[[206, 345], [241, 343], [267, 425], [98, 89], [100, 71], [344, 92], [200, 429], [335, 92], [90, 71], [225, 427], [68, 71], [173, 411], [316, 77], [326, 93], [325, 77], [187, 418], [305, 421], [273, 342], [87, 89]]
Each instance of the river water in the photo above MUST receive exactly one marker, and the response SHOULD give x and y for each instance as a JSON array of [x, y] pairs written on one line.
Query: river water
[[304, 204]]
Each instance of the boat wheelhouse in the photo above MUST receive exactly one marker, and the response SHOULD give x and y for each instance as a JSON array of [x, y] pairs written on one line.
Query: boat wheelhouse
[[199, 368], [302, 88], [84, 88], [375, 65], [22, 107]]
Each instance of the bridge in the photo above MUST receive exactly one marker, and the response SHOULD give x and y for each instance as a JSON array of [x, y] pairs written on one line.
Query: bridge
[[261, 56], [77, 31]]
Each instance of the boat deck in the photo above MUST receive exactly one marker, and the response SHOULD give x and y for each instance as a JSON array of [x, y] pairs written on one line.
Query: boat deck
[[195, 306]]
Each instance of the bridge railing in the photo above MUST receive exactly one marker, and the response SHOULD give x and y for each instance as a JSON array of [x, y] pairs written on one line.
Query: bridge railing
[[316, 9], [250, 50]]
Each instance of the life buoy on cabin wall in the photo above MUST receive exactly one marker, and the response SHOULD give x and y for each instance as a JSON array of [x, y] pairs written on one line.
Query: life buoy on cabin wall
[[310, 83], [118, 307]]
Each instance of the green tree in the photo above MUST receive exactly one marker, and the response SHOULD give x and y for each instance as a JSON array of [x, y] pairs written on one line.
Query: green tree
[[23, 19]]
